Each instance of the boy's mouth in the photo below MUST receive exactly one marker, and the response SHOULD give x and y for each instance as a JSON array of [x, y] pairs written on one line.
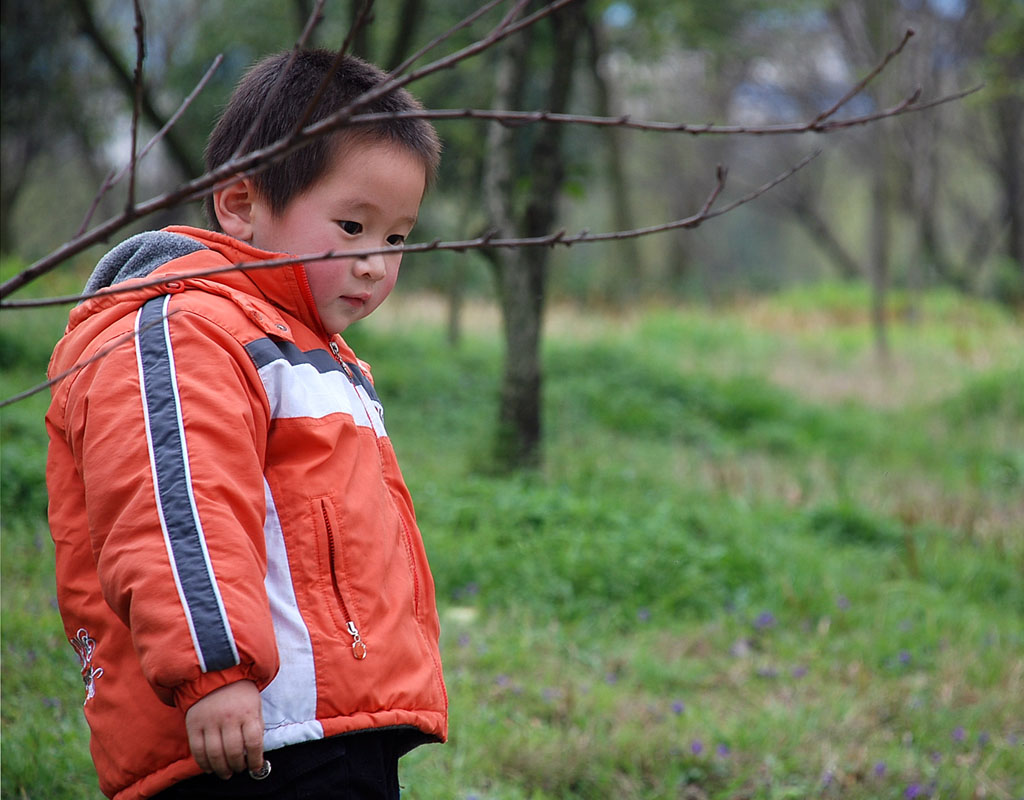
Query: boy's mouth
[[356, 300]]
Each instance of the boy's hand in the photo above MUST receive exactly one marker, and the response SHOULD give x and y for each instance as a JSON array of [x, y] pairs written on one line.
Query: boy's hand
[[225, 730]]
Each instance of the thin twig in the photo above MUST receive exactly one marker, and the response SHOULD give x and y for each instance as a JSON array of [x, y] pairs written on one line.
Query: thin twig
[[488, 240], [858, 87], [439, 40], [515, 118], [117, 342]]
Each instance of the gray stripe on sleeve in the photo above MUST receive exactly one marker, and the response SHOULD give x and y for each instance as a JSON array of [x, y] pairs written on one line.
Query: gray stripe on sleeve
[[179, 517]]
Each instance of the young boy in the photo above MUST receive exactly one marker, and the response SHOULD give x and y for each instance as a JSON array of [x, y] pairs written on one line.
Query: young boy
[[238, 563]]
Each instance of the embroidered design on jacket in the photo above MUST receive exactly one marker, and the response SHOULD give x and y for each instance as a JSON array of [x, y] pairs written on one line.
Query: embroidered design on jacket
[[84, 645]]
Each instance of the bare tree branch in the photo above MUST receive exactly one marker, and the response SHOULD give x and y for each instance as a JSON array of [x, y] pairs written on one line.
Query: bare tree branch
[[516, 118], [858, 87], [480, 243], [228, 171], [487, 241]]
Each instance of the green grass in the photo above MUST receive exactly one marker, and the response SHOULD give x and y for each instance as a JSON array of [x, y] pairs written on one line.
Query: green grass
[[755, 564]]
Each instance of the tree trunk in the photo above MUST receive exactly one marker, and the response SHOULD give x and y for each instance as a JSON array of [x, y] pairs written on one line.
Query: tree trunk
[[303, 9], [360, 36], [801, 208], [522, 273], [19, 152], [1009, 115], [409, 19], [880, 248]]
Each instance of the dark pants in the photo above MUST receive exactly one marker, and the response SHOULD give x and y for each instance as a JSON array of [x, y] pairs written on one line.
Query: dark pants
[[358, 766]]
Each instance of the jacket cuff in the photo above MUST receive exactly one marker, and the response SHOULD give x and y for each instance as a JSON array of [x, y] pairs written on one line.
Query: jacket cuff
[[188, 694]]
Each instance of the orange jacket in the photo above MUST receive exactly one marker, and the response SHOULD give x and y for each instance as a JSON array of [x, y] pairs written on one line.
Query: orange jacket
[[226, 504]]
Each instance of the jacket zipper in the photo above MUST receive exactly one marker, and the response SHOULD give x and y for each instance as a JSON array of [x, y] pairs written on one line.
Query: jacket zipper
[[337, 355], [358, 645]]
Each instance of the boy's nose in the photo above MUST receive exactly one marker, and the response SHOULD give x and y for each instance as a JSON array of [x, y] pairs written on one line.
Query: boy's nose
[[372, 267]]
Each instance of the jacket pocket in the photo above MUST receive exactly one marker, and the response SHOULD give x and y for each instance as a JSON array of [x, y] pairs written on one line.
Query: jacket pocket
[[329, 530]]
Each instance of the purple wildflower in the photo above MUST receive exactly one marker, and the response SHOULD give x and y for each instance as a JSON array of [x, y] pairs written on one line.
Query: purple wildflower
[[611, 678], [912, 791], [843, 602], [723, 750], [827, 778], [904, 657], [643, 614], [502, 680], [958, 733], [696, 747], [983, 738], [800, 671], [678, 707], [464, 640], [766, 619], [880, 769]]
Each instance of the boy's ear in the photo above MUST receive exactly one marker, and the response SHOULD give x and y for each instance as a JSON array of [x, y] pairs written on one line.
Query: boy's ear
[[235, 209]]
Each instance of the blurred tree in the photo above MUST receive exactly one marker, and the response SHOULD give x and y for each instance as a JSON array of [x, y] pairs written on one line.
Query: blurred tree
[[189, 164], [45, 109], [522, 183], [959, 216], [996, 37]]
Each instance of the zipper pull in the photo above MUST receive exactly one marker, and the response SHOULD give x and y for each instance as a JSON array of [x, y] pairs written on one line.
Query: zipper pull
[[358, 645], [337, 355]]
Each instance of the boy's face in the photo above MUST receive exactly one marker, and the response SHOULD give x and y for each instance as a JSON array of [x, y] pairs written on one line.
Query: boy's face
[[369, 198]]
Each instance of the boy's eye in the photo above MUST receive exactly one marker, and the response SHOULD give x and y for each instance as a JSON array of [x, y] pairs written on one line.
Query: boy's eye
[[350, 227], [396, 240]]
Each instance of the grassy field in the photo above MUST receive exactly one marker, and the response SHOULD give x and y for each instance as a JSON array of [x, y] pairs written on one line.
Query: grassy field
[[756, 563]]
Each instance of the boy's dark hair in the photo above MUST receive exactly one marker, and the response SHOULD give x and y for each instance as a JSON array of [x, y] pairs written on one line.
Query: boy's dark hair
[[287, 178]]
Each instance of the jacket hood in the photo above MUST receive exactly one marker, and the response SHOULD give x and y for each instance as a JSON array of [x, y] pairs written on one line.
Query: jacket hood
[[180, 251]]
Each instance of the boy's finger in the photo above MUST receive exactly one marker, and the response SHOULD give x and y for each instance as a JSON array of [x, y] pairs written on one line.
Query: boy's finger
[[197, 744], [234, 749], [216, 756], [252, 735]]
